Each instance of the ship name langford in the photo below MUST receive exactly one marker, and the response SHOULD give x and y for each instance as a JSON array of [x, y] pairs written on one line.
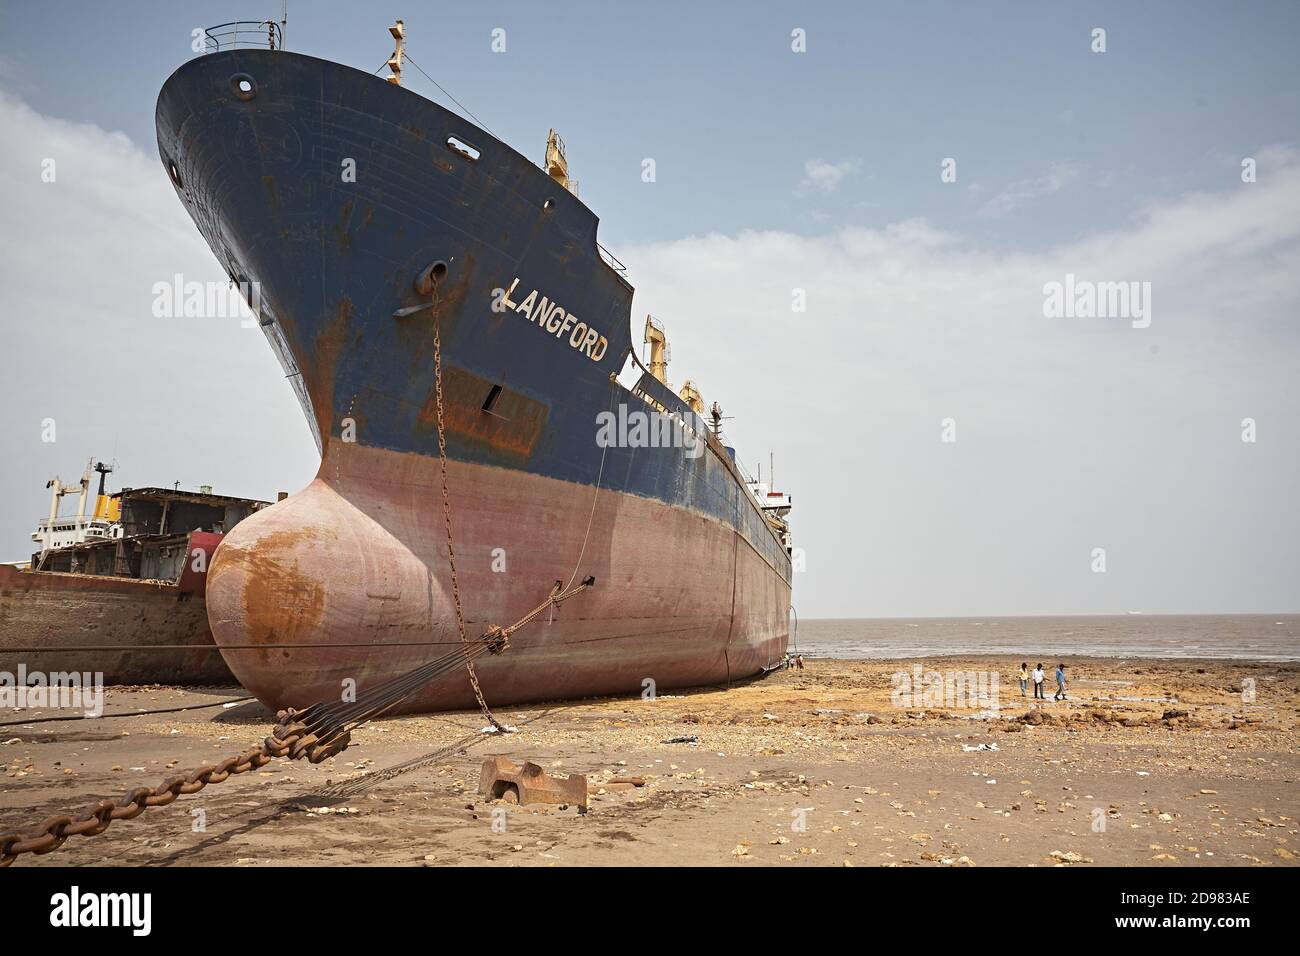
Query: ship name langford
[[552, 317]]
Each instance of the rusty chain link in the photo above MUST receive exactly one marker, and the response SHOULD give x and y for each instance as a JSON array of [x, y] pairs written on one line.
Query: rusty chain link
[[290, 738]]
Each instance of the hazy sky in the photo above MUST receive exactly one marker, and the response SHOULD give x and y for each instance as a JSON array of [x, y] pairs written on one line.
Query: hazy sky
[[780, 177]]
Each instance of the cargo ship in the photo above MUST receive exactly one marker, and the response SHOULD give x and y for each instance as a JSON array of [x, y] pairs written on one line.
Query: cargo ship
[[387, 241], [119, 591]]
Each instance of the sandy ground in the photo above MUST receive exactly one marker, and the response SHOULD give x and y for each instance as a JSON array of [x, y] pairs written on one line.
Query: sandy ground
[[1148, 763]]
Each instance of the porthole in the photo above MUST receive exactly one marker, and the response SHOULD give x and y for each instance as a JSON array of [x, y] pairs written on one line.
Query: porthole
[[243, 86]]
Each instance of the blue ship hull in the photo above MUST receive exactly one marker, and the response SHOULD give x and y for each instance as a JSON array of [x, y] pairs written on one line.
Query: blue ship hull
[[359, 210]]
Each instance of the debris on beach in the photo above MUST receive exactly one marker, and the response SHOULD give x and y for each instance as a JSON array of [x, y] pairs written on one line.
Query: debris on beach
[[502, 779], [1067, 857]]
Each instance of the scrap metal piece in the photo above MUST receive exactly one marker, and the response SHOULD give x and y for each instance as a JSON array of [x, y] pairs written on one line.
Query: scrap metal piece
[[530, 784]]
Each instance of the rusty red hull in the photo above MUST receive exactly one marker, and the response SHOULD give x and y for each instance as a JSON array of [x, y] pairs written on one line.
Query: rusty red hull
[[125, 617], [360, 557]]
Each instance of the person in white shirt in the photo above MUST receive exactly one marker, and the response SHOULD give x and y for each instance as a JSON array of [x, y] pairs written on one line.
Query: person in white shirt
[[1038, 675]]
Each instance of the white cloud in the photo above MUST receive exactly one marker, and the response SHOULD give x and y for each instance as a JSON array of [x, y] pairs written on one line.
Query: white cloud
[[1072, 434], [1025, 191], [199, 401], [823, 177]]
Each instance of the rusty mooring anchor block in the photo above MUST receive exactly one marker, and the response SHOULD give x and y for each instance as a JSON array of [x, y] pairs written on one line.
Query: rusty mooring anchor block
[[501, 779]]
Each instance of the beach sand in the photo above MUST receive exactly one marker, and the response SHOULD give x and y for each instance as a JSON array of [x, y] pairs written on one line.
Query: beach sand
[[1150, 762]]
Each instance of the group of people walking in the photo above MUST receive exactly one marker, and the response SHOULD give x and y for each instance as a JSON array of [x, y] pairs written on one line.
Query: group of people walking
[[1038, 675]]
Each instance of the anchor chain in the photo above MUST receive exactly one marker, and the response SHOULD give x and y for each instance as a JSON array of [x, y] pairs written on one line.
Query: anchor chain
[[291, 738], [446, 510]]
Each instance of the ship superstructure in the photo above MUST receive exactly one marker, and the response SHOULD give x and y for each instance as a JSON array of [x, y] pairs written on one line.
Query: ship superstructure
[[60, 531]]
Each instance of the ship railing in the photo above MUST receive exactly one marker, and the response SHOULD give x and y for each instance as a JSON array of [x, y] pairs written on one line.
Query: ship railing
[[73, 522], [656, 393], [612, 261], [243, 34]]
